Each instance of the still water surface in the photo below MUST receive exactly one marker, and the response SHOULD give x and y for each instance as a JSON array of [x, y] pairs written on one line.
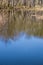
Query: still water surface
[[25, 50], [21, 39]]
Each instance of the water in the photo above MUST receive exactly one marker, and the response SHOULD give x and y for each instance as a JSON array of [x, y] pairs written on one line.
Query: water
[[22, 51], [21, 38]]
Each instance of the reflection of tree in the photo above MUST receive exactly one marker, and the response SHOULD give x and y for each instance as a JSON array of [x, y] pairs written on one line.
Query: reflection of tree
[[21, 21]]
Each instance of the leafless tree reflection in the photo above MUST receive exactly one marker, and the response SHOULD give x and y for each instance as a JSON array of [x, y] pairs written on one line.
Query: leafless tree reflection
[[15, 21]]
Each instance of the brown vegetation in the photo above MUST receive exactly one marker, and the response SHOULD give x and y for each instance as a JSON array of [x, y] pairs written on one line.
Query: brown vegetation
[[18, 17]]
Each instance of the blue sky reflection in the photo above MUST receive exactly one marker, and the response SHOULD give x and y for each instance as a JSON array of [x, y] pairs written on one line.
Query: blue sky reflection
[[23, 51]]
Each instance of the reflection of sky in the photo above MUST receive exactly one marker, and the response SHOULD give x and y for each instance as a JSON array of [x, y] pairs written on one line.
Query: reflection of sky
[[23, 51]]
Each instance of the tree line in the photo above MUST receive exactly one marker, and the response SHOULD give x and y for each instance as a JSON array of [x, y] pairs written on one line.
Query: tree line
[[29, 3]]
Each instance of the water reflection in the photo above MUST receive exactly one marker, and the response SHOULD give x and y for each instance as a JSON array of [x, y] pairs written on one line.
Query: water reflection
[[16, 21], [23, 51], [21, 37]]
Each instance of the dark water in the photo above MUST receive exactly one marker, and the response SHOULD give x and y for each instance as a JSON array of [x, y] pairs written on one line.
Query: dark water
[[21, 39]]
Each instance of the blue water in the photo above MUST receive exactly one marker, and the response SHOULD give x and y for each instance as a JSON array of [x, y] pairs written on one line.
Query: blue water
[[23, 50]]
